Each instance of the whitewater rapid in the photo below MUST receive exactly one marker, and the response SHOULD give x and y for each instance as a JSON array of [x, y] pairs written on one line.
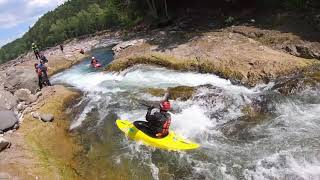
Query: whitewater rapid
[[284, 146]]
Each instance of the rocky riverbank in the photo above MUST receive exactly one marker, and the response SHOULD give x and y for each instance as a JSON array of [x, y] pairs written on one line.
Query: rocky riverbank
[[229, 54], [42, 149], [34, 124]]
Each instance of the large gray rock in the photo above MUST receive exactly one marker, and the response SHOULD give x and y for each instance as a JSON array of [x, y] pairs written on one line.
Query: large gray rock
[[7, 120], [20, 78], [2, 79], [25, 95], [47, 117], [7, 100], [4, 144]]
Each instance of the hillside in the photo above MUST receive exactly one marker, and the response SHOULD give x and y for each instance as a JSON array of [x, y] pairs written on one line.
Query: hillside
[[81, 17], [72, 19]]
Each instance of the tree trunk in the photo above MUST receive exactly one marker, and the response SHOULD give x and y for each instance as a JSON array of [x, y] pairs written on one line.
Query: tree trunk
[[166, 8], [153, 8]]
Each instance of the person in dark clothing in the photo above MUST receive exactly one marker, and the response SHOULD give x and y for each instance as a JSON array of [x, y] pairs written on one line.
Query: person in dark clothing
[[41, 70], [158, 123], [61, 47], [43, 58], [39, 73], [94, 61]]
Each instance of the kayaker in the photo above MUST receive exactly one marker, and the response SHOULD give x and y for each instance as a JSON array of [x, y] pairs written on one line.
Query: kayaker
[[158, 123], [94, 61]]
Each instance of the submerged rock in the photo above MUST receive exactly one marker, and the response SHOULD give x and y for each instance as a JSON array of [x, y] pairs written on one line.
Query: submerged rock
[[298, 83], [156, 92], [7, 120], [4, 144], [182, 93], [253, 114]]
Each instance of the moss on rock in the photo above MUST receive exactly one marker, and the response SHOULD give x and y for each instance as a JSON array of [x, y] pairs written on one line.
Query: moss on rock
[[171, 62], [50, 142]]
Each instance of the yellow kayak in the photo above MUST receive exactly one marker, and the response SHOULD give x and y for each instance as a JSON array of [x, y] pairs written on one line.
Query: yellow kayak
[[170, 142]]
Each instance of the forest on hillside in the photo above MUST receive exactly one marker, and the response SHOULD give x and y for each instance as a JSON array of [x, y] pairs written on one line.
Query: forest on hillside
[[81, 17]]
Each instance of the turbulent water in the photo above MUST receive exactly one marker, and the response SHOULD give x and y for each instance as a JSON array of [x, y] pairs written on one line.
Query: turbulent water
[[282, 144]]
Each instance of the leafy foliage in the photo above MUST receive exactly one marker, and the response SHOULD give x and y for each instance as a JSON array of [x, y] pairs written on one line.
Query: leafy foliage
[[80, 17], [72, 19]]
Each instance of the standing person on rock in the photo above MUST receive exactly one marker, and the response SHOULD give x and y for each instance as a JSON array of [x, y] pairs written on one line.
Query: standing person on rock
[[43, 58], [41, 70], [61, 47], [36, 50]]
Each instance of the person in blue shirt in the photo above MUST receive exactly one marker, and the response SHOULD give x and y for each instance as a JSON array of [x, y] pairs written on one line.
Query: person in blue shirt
[[41, 70]]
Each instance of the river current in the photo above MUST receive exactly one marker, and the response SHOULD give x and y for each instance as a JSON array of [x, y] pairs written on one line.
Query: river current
[[282, 144]]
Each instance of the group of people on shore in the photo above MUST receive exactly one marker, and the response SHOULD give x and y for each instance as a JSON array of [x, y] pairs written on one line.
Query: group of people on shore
[[41, 68], [157, 123]]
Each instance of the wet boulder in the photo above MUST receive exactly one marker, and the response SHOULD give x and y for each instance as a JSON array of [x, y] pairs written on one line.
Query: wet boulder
[[26, 96], [297, 83], [253, 115], [7, 100], [158, 92], [182, 93], [8, 120]]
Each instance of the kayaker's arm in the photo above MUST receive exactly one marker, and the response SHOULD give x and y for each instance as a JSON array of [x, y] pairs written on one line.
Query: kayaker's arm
[[149, 116]]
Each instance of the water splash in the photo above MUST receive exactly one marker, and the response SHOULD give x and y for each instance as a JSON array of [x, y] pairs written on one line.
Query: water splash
[[284, 146]]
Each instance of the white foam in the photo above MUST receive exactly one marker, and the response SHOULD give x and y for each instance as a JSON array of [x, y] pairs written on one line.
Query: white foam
[[143, 77], [282, 164], [191, 122]]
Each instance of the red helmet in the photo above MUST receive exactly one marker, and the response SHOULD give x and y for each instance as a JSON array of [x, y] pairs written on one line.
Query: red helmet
[[165, 105]]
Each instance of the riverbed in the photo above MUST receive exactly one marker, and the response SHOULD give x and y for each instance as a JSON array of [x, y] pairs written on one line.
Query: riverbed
[[283, 144]]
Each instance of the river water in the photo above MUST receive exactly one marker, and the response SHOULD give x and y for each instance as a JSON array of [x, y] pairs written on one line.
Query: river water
[[284, 143]]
